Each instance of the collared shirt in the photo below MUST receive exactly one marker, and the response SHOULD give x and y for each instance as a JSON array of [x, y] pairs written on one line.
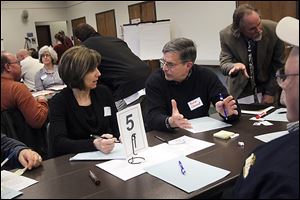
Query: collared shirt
[[44, 79]]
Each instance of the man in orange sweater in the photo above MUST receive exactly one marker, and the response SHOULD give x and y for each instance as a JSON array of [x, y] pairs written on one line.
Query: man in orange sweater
[[16, 95]]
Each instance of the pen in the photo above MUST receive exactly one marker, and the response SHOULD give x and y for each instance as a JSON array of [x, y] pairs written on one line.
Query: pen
[[282, 112], [97, 136], [225, 113], [94, 178], [161, 139], [260, 115], [181, 168], [6, 159]]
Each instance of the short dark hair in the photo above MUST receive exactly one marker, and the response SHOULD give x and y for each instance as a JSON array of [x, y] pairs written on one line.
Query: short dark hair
[[84, 31], [185, 47], [75, 63], [4, 60]]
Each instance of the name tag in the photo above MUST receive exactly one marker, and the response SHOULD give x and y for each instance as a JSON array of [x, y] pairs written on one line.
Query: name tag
[[107, 111], [194, 104], [44, 77]]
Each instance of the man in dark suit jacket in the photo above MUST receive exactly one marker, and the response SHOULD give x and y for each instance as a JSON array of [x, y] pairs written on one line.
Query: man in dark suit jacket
[[272, 170], [268, 54], [121, 70]]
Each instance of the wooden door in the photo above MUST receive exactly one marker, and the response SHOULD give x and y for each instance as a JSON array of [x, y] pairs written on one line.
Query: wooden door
[[43, 35], [274, 10], [74, 23], [145, 11], [106, 23]]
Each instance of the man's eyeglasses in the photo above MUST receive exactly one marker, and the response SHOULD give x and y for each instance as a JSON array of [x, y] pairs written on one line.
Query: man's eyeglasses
[[17, 62], [281, 76], [169, 65]]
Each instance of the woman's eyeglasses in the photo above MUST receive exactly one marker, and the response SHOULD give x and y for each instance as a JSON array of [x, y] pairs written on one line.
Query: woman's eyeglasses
[[281, 76]]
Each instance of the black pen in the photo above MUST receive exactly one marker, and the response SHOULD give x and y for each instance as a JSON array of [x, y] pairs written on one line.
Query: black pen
[[97, 136], [161, 139], [282, 112], [94, 178]]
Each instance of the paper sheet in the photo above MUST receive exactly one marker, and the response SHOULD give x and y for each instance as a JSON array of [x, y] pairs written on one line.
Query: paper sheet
[[15, 182], [117, 153], [153, 155], [271, 136], [277, 115], [203, 124], [196, 176]]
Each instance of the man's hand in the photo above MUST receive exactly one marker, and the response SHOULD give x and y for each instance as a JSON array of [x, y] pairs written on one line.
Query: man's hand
[[177, 119], [229, 104], [267, 99], [238, 67], [29, 158]]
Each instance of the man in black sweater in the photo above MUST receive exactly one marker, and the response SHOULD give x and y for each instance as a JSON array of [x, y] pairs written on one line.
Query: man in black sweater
[[181, 90], [121, 70]]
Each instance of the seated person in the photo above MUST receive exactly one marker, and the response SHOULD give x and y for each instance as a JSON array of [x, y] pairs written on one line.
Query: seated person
[[47, 76], [30, 67], [83, 107], [21, 154], [181, 90], [16, 95]]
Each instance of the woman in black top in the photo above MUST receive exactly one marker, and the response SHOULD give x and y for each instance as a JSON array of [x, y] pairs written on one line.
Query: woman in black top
[[82, 108]]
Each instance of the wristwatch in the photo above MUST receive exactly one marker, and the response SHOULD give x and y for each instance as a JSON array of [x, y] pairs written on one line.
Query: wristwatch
[[167, 123]]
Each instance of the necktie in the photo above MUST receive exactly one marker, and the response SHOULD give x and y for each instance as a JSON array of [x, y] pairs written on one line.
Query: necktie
[[251, 68]]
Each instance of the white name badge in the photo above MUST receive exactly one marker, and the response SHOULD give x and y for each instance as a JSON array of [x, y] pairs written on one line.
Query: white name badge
[[44, 77], [194, 104], [107, 111]]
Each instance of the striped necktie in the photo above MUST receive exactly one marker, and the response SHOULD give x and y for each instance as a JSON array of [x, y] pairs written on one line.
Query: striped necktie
[[251, 68]]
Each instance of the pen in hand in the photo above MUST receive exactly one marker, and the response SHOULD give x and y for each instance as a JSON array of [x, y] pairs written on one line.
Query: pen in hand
[[225, 113], [6, 159], [94, 178], [97, 136]]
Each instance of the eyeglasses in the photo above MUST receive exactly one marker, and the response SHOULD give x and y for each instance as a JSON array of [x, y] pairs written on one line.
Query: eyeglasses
[[45, 55], [168, 64], [281, 76], [17, 62]]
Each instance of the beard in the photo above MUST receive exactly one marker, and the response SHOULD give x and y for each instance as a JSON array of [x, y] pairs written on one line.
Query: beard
[[258, 38]]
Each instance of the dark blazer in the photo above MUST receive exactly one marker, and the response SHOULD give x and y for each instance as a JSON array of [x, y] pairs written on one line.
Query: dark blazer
[[11, 146], [274, 173], [270, 57]]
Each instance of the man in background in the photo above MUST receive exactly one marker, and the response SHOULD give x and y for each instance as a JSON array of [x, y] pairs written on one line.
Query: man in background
[[272, 170], [29, 67], [250, 55], [121, 70]]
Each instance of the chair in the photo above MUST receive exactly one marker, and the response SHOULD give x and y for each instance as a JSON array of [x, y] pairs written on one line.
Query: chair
[[13, 125]]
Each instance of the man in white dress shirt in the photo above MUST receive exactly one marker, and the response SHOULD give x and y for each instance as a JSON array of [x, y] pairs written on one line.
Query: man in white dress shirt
[[29, 67]]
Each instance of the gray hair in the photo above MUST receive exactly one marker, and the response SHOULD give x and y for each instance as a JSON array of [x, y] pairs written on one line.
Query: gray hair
[[75, 63], [238, 15], [51, 51], [185, 47]]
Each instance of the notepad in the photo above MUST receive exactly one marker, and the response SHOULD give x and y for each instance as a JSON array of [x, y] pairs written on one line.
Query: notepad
[[225, 135]]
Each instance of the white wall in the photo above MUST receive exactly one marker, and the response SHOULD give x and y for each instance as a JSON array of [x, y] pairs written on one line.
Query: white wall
[[13, 29], [200, 21]]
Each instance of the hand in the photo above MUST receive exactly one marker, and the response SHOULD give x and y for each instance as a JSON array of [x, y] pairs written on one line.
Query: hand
[[41, 97], [177, 119], [105, 145], [29, 158], [230, 106], [238, 67], [267, 99]]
